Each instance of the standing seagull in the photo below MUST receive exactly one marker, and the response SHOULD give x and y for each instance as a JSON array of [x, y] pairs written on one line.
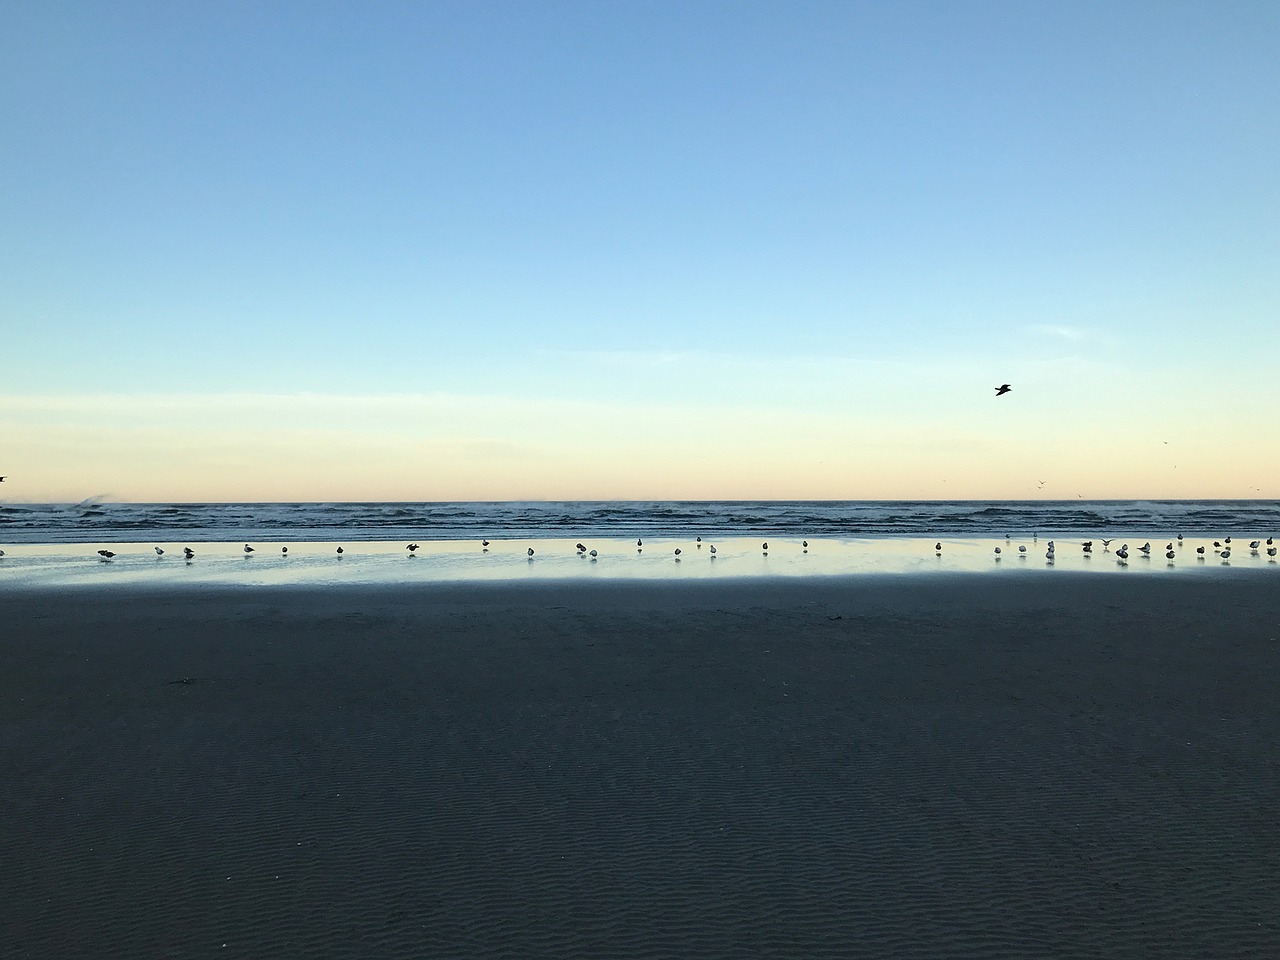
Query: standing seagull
[[1003, 389], [188, 552], [159, 552], [105, 554], [247, 549]]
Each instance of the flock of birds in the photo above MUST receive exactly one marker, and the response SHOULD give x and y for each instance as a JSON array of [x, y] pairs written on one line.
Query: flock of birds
[[1221, 549]]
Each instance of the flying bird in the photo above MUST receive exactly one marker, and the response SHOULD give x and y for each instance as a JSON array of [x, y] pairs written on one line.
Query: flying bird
[[1003, 389]]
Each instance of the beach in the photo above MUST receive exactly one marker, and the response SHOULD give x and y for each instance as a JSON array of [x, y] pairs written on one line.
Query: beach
[[932, 765]]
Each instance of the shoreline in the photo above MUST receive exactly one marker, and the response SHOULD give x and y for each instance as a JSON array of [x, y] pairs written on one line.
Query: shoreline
[[1056, 765]]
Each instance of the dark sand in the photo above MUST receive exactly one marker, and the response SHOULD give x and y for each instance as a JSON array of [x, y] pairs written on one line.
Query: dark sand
[[927, 767]]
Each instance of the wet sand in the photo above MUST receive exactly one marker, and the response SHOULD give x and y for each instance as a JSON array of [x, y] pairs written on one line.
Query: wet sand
[[925, 766]]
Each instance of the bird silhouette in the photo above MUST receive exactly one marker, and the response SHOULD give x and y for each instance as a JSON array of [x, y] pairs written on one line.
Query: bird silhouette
[[1003, 389]]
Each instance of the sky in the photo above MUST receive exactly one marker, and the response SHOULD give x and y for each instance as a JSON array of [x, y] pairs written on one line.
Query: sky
[[639, 250]]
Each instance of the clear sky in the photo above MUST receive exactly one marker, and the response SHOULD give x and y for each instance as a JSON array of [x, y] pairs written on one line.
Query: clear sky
[[295, 251]]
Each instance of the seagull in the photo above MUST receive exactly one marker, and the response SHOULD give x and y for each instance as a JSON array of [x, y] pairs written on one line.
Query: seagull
[[639, 541], [1200, 550], [805, 544], [997, 551], [938, 547], [1179, 538], [582, 548], [1169, 554], [1003, 389], [1226, 554], [677, 553], [531, 553], [1088, 546], [1254, 544], [411, 547], [1270, 541], [1226, 540], [1022, 548], [765, 548], [699, 540], [159, 552], [247, 549], [188, 552], [2, 553], [1271, 552], [713, 551], [339, 551], [594, 554], [484, 543], [1146, 549], [105, 554], [1106, 544], [284, 551]]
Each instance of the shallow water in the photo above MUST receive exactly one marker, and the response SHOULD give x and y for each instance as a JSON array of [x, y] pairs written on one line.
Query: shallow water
[[452, 561]]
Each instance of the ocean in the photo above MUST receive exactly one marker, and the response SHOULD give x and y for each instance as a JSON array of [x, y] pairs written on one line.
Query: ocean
[[102, 522]]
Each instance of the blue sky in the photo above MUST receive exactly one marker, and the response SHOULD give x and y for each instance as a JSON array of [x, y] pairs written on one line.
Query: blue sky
[[752, 233]]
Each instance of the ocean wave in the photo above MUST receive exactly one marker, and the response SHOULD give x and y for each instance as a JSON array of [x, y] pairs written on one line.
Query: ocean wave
[[462, 520]]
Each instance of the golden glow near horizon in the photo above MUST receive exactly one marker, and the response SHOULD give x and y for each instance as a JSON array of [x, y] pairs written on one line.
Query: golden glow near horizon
[[960, 444]]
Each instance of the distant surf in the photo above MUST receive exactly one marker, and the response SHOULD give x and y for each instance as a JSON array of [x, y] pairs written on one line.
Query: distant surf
[[70, 523]]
